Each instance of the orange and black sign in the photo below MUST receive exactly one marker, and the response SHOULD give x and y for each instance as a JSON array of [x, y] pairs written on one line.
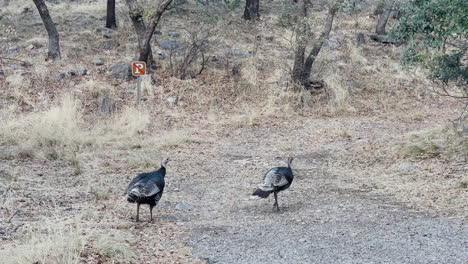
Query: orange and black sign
[[138, 68]]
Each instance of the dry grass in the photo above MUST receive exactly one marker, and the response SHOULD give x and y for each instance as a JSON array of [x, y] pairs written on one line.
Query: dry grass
[[57, 244], [51, 134], [432, 143], [114, 246]]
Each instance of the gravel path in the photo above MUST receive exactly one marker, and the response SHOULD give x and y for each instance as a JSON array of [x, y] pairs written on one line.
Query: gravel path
[[322, 220]]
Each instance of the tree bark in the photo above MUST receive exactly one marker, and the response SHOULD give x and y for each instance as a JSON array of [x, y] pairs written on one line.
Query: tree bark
[[54, 45], [251, 10], [303, 66], [110, 18], [386, 13], [301, 42], [145, 32]]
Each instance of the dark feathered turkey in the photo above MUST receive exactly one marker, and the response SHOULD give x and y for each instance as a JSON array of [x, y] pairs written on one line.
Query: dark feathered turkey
[[274, 181], [147, 188]]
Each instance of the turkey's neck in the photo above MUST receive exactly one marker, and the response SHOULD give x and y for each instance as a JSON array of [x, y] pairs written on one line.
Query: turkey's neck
[[162, 169]]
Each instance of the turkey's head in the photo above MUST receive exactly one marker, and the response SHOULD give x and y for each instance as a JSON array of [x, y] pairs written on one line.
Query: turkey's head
[[165, 161]]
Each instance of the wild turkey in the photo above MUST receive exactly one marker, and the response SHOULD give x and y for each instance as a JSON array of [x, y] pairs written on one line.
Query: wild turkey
[[147, 188], [274, 181]]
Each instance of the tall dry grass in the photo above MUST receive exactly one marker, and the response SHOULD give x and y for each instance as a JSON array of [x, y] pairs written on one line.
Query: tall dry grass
[[61, 131]]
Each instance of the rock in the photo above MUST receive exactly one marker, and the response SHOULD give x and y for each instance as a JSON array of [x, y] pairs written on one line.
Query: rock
[[331, 43], [236, 70], [30, 47], [109, 33], [14, 68], [59, 76], [173, 34], [161, 54], [170, 44], [183, 206], [172, 99], [98, 62], [2, 73], [83, 71], [109, 44], [26, 10], [78, 72], [105, 104], [120, 70], [241, 53], [360, 39], [14, 79], [32, 53], [13, 49], [127, 86], [406, 167]]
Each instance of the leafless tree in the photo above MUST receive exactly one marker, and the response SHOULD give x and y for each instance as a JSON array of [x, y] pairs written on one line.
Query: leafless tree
[[111, 21], [384, 12], [146, 30], [303, 64], [54, 45], [251, 11]]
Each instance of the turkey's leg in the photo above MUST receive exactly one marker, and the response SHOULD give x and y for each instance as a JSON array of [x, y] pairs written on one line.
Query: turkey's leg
[[151, 213], [138, 212], [276, 202]]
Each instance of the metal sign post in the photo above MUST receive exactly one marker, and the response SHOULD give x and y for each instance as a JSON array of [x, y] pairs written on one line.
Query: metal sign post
[[138, 69]]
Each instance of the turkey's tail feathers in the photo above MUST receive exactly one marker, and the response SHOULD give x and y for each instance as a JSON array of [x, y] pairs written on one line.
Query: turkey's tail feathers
[[133, 195], [261, 193]]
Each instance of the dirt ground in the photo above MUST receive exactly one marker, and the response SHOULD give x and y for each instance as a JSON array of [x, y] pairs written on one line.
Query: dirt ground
[[335, 211]]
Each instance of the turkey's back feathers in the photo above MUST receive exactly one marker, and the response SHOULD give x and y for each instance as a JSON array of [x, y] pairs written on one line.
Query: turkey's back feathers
[[146, 187], [278, 178]]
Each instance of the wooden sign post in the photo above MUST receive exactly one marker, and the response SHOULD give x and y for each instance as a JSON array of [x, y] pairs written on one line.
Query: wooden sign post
[[138, 69]]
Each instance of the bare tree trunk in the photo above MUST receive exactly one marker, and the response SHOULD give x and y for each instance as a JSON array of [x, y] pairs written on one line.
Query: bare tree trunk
[[302, 38], [54, 46], [110, 18], [251, 10], [303, 66], [384, 15], [319, 43], [145, 32]]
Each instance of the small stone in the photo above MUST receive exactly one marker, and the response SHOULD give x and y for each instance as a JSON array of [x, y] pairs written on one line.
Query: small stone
[[14, 68], [32, 53], [241, 53], [172, 99], [15, 78], [120, 70], [98, 62], [183, 206], [58, 76], [127, 86], [109, 44], [173, 34], [13, 49], [83, 71], [109, 33], [406, 167], [170, 44], [331, 43], [360, 38], [30, 47]]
